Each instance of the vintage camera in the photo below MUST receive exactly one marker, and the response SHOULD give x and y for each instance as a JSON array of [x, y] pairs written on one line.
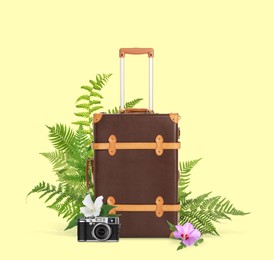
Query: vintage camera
[[98, 229]]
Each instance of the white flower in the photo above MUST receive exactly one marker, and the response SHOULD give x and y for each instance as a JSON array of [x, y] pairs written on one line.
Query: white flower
[[92, 209]]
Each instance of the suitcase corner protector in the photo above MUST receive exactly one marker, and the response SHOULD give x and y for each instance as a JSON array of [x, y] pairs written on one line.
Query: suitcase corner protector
[[174, 117], [97, 117]]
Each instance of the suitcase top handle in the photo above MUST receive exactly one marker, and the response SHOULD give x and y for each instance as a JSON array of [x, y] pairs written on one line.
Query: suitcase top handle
[[135, 51], [148, 51]]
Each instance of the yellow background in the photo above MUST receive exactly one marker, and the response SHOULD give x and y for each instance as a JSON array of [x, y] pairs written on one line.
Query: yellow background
[[214, 64]]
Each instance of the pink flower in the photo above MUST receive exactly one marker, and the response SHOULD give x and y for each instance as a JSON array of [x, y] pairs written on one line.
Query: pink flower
[[187, 233]]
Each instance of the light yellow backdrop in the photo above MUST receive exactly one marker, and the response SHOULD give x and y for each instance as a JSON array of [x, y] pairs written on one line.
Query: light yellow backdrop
[[214, 64]]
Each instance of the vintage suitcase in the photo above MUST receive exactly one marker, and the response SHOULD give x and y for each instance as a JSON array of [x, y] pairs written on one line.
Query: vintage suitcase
[[136, 163]]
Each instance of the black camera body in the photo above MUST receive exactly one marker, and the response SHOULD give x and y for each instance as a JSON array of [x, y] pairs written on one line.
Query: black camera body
[[98, 229]]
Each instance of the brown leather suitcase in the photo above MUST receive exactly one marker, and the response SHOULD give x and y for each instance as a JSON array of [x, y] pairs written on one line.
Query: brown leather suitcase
[[136, 164]]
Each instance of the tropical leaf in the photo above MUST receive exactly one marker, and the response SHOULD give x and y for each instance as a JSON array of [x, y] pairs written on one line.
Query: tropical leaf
[[86, 123], [200, 221], [95, 94], [73, 222], [94, 100], [93, 109], [88, 88], [185, 168], [203, 210], [171, 226], [57, 158], [83, 114], [129, 104], [61, 137], [133, 103], [181, 246], [83, 97], [84, 106]]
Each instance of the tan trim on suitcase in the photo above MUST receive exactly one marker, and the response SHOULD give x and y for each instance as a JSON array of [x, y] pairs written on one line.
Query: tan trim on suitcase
[[124, 51], [136, 110], [97, 117], [174, 117], [159, 207], [159, 146]]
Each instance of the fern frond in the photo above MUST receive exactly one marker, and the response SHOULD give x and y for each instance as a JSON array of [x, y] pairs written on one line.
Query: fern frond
[[95, 94], [200, 220], [194, 204], [133, 103], [83, 97], [87, 132], [93, 103], [202, 211], [83, 105], [114, 110], [129, 104], [61, 137], [95, 108], [86, 123], [83, 114], [42, 186], [47, 189], [72, 179], [57, 158], [88, 88], [184, 180], [101, 80]]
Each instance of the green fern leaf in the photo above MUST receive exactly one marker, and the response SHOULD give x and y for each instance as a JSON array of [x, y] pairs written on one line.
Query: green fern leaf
[[83, 114], [129, 104], [200, 221], [88, 88], [113, 111], [57, 158], [96, 94], [73, 222], [46, 188], [86, 123], [94, 102], [61, 137], [133, 103], [87, 131], [185, 168], [54, 193], [83, 105], [83, 97], [93, 83], [95, 108]]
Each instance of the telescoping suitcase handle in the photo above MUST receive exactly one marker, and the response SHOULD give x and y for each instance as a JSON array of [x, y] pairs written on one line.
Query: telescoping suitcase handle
[[122, 54]]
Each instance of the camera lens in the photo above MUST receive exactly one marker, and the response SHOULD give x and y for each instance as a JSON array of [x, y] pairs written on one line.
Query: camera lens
[[101, 232]]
